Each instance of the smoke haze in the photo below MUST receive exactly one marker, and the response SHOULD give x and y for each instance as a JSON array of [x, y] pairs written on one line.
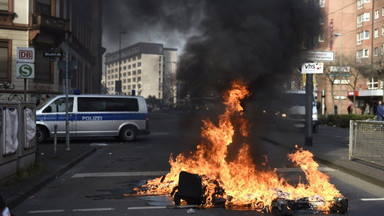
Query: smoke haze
[[256, 41]]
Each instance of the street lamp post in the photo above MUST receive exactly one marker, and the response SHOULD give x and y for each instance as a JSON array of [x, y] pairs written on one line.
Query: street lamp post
[[119, 88], [340, 68]]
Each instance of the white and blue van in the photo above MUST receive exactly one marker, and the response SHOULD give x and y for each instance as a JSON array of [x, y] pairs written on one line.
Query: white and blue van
[[93, 115]]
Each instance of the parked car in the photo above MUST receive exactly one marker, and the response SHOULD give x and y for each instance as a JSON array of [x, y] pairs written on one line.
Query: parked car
[[93, 115]]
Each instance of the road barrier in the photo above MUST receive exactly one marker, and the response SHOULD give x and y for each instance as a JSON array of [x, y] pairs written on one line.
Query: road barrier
[[366, 141], [17, 137]]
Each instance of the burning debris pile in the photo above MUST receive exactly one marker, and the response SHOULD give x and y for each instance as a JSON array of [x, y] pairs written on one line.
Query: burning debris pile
[[207, 179]]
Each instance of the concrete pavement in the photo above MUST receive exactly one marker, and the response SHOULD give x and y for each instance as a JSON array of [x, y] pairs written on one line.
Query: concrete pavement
[[50, 166]]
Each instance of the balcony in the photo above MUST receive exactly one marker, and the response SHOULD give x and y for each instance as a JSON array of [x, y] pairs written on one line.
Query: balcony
[[49, 23], [47, 30]]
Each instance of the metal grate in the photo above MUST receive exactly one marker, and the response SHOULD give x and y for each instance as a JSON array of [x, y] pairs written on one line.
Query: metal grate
[[366, 141]]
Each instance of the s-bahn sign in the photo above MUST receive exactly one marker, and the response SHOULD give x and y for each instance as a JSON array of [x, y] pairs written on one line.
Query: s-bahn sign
[[25, 71]]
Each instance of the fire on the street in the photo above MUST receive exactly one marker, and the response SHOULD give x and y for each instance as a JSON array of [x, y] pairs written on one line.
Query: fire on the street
[[240, 182]]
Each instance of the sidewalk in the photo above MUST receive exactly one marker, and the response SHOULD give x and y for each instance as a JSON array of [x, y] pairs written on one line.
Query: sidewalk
[[330, 147], [15, 192]]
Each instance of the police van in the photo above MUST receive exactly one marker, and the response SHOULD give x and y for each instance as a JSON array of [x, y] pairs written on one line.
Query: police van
[[93, 115]]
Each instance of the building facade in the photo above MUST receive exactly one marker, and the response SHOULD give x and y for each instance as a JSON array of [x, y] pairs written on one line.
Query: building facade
[[354, 31], [46, 26], [146, 69]]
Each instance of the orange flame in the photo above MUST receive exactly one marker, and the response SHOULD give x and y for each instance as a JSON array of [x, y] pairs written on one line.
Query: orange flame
[[242, 182]]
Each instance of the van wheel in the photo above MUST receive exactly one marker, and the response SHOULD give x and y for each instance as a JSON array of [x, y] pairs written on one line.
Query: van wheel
[[128, 133], [41, 134]]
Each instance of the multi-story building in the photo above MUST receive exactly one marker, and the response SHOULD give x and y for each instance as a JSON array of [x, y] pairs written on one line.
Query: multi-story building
[[354, 31], [147, 69], [46, 26]]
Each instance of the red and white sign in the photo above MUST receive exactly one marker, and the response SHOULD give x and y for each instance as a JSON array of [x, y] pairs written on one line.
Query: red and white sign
[[25, 54], [351, 93]]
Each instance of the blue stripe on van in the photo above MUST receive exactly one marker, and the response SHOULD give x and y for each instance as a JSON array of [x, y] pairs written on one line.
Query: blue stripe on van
[[92, 117]]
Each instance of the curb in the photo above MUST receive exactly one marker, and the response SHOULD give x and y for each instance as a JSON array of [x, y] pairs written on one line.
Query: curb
[[47, 179], [331, 164]]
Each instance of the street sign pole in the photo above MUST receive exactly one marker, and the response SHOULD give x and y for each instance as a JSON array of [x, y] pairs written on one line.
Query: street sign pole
[[68, 148], [25, 90]]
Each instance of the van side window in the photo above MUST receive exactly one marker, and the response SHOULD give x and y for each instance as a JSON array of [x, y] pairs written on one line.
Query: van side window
[[59, 106], [107, 104]]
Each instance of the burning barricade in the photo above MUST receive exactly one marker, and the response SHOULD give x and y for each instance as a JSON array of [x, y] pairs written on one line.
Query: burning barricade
[[206, 179]]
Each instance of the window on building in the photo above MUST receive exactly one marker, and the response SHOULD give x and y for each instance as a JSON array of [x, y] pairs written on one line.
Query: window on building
[[139, 86], [5, 60], [359, 4], [322, 3], [134, 65], [133, 86], [129, 80], [373, 83], [138, 64], [377, 14], [43, 7], [138, 71], [133, 72], [364, 35], [321, 37], [365, 17], [382, 11], [376, 51], [138, 79], [363, 53], [321, 20], [129, 73], [125, 68], [376, 33], [124, 74], [139, 57], [129, 66], [133, 79], [4, 5], [382, 30]]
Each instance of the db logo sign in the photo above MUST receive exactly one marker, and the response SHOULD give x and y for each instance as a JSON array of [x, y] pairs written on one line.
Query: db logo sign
[[25, 71], [25, 54]]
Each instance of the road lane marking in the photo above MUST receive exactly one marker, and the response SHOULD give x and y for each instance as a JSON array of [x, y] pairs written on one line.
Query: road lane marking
[[371, 199], [99, 144], [146, 207], [119, 174], [46, 211], [93, 209], [296, 169]]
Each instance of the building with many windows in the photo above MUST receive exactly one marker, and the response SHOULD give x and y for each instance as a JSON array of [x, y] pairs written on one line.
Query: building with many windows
[[147, 69], [354, 31], [46, 26]]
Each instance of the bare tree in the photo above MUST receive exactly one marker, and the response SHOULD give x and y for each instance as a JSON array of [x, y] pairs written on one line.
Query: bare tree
[[331, 78]]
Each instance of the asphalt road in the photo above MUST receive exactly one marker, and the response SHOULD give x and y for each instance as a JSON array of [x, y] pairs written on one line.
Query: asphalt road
[[96, 186]]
